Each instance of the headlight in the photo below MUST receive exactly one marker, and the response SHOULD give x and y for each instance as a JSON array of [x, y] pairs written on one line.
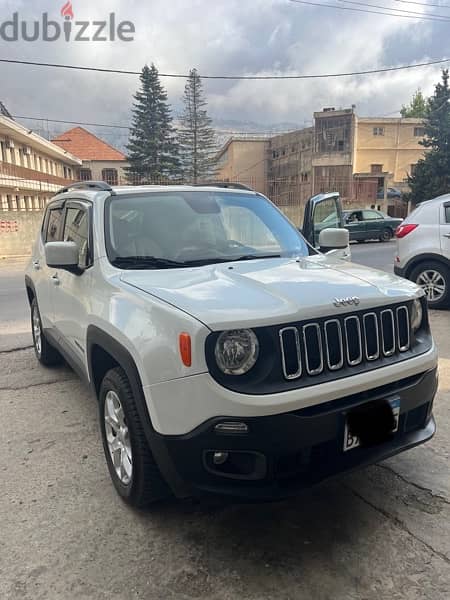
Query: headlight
[[416, 315], [236, 351]]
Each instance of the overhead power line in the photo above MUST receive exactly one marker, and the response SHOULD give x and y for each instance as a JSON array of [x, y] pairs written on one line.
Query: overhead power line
[[399, 10], [374, 12], [444, 6], [70, 122], [237, 77]]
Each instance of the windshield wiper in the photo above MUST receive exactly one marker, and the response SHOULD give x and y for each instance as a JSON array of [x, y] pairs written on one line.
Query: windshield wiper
[[146, 262], [254, 257]]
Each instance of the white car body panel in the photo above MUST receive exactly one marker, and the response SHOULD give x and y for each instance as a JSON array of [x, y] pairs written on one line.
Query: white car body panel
[[271, 291], [427, 238]]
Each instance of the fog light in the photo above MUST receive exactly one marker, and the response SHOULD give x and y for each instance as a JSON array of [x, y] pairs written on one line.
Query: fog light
[[219, 458], [231, 427]]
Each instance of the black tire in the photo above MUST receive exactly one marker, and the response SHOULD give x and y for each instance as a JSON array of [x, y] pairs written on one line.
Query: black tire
[[417, 275], [46, 354], [146, 484], [386, 235], [361, 241]]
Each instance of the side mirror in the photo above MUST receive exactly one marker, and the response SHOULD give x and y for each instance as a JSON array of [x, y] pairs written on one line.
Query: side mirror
[[62, 255], [333, 239]]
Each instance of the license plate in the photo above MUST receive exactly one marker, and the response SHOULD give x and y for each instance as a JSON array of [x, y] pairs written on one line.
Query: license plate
[[352, 441]]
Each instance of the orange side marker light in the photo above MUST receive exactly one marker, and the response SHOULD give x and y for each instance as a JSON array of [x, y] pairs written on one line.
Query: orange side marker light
[[185, 349]]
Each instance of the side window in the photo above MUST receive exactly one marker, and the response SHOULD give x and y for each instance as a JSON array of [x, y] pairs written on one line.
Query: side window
[[54, 222], [325, 215], [447, 213], [371, 215], [76, 229]]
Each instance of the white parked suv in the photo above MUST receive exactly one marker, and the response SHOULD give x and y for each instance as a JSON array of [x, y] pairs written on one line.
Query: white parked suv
[[227, 354], [423, 250]]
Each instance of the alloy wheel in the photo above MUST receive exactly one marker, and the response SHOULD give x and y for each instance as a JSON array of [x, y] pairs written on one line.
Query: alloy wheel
[[433, 284], [37, 335], [118, 437]]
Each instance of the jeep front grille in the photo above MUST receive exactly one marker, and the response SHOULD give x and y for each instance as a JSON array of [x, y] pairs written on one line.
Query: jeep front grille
[[314, 347]]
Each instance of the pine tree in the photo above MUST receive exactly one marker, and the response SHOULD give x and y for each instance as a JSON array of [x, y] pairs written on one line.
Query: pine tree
[[431, 175], [417, 108], [152, 148], [195, 135]]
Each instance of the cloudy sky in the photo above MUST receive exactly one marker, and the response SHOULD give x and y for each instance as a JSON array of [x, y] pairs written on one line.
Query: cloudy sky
[[233, 37]]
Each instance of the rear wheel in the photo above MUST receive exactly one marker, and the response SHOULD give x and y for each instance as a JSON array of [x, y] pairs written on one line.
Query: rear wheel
[[386, 235], [45, 353], [131, 465], [434, 279]]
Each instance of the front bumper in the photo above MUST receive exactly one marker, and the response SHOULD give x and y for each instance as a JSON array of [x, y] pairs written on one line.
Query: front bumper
[[297, 449]]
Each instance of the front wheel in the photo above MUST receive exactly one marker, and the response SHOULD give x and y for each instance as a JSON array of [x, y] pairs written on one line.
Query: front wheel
[[386, 235], [434, 279], [131, 465]]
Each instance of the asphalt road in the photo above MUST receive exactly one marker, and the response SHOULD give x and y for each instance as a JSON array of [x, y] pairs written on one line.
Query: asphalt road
[[382, 532]]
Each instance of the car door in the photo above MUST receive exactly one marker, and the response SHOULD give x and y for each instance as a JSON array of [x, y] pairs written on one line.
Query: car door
[[42, 274], [322, 211], [71, 291], [444, 229], [355, 224], [373, 222]]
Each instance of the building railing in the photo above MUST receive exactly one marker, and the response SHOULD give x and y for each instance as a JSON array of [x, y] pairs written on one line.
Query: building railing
[[25, 178]]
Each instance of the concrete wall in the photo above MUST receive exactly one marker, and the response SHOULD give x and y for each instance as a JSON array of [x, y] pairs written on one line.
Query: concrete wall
[[18, 231], [396, 150]]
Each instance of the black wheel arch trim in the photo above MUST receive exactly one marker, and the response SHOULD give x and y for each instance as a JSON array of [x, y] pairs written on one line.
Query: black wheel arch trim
[[98, 337], [416, 260], [29, 285]]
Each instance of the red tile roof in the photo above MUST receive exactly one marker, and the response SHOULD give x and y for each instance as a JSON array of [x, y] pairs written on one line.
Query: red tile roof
[[86, 145]]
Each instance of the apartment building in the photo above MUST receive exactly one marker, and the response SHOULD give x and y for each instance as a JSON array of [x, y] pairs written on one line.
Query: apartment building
[[289, 182], [32, 169], [358, 157], [100, 161], [245, 159], [362, 157]]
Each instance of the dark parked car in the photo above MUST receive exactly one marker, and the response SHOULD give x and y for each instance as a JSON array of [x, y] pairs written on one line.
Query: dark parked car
[[370, 225], [390, 193]]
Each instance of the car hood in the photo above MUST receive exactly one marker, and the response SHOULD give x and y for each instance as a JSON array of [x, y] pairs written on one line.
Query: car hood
[[270, 291]]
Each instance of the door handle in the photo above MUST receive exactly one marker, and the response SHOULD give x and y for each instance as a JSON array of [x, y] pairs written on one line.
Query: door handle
[[36, 265], [55, 279], [447, 235]]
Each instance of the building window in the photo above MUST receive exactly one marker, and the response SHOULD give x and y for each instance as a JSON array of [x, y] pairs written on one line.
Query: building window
[[378, 131], [340, 145], [2, 152], [413, 169], [376, 168], [419, 131], [85, 175], [304, 177], [110, 176]]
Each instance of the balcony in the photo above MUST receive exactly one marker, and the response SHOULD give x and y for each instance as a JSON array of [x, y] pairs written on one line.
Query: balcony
[[14, 176]]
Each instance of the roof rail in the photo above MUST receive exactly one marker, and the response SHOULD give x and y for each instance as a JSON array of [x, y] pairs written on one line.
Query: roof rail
[[225, 184], [87, 185]]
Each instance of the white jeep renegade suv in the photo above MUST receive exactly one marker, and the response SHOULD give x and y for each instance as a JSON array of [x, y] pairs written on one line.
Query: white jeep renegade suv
[[228, 355]]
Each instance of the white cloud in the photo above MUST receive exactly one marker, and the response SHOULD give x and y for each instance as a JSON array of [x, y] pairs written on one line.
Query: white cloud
[[222, 36]]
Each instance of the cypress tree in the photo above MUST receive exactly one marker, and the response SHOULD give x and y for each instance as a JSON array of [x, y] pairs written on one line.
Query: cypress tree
[[152, 148], [195, 134], [431, 176]]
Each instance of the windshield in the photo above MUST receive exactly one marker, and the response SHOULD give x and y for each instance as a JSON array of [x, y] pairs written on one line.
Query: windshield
[[176, 228]]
